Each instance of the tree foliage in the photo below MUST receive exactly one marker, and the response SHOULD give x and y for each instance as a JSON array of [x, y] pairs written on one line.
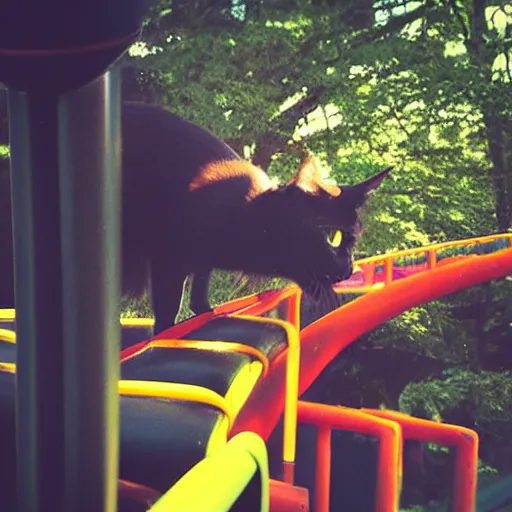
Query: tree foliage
[[362, 85]]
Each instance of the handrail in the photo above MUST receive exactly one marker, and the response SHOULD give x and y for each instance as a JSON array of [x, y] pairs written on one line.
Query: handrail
[[436, 247], [8, 367], [7, 314], [183, 328], [174, 391], [236, 304], [397, 427], [327, 417], [165, 390], [217, 481], [431, 259], [357, 289], [292, 294], [137, 322], [7, 335], [207, 346], [466, 456], [291, 390]]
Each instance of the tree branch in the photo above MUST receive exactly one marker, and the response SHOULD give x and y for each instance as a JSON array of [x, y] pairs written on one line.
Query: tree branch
[[393, 25], [402, 126], [456, 11], [303, 107]]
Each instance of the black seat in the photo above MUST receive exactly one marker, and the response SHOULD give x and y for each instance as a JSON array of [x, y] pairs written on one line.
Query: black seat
[[160, 440], [267, 338], [130, 335], [212, 370]]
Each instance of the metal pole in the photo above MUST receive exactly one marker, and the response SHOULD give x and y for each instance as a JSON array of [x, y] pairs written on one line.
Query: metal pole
[[89, 137], [36, 220]]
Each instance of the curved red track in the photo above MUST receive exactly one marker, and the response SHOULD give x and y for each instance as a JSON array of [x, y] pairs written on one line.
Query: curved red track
[[323, 340]]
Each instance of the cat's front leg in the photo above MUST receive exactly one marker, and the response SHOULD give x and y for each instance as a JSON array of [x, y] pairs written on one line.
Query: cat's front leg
[[167, 283], [199, 302]]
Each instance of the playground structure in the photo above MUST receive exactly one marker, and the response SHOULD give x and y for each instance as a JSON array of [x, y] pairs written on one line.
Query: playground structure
[[187, 422], [192, 397]]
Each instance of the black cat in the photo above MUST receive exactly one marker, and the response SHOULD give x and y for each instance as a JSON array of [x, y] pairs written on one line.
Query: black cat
[[191, 204]]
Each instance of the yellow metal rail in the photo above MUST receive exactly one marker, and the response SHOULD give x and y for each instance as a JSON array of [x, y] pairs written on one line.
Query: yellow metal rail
[[174, 391], [7, 335], [215, 483], [292, 389]]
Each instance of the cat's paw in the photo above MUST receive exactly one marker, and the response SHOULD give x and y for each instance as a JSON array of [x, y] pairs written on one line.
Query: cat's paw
[[199, 309]]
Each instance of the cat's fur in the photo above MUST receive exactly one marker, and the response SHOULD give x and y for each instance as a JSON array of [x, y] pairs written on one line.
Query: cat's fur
[[191, 204]]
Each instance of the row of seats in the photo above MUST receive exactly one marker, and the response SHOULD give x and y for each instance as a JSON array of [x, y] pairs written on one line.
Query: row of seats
[[163, 435]]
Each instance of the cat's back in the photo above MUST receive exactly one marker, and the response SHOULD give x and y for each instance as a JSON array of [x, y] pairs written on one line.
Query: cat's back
[[161, 146], [173, 164]]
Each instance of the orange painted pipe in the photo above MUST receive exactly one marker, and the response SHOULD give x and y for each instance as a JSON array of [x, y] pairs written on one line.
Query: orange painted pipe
[[288, 498], [323, 468], [269, 300], [390, 450], [324, 339], [463, 439], [179, 330]]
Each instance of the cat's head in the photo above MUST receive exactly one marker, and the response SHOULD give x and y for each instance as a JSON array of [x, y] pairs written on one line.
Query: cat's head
[[326, 217]]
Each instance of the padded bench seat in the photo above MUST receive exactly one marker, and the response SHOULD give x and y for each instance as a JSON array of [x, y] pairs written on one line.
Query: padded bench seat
[[160, 439], [267, 338], [130, 335], [212, 369]]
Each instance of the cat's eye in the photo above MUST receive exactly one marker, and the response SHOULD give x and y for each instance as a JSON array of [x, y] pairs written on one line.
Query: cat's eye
[[334, 238]]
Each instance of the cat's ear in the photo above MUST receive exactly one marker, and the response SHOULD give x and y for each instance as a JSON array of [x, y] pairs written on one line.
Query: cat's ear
[[309, 179], [360, 191]]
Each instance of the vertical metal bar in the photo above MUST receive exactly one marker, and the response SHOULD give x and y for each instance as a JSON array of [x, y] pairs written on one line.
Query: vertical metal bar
[[389, 466], [90, 147], [323, 469], [388, 268], [466, 474], [432, 258], [36, 226], [293, 303]]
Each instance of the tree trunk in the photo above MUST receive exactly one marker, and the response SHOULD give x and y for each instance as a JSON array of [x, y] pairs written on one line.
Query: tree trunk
[[500, 152], [497, 124]]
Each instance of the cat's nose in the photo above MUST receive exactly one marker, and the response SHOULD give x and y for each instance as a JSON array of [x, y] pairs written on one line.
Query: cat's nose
[[344, 274]]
